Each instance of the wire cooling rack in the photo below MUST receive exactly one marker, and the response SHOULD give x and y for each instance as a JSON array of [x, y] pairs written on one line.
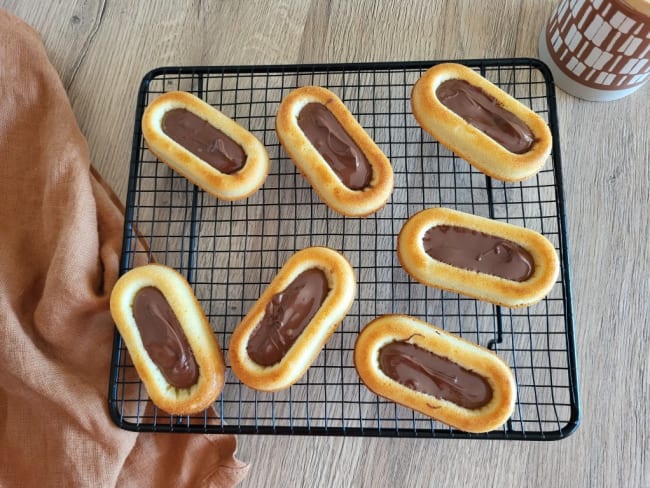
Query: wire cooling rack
[[230, 251]]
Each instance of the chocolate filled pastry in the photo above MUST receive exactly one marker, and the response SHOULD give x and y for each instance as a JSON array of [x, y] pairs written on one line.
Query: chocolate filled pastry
[[481, 123], [422, 367], [329, 147], [284, 331], [170, 341], [205, 146], [485, 259]]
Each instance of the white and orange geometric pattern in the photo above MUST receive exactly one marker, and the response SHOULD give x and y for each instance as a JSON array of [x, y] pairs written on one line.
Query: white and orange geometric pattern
[[603, 44]]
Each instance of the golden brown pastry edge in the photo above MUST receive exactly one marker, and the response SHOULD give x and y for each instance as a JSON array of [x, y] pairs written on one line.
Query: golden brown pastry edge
[[353, 203], [235, 186], [308, 345], [201, 339], [389, 328], [468, 142], [499, 291]]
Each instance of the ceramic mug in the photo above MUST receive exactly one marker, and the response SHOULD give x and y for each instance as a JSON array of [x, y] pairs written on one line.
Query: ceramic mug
[[598, 49]]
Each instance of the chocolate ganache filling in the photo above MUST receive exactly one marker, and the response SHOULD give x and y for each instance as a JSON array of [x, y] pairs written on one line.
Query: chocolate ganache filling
[[336, 146], [426, 372], [203, 140], [286, 316], [164, 339], [486, 114], [476, 251]]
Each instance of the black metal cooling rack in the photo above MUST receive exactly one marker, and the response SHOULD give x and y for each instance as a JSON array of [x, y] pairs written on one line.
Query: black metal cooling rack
[[229, 252]]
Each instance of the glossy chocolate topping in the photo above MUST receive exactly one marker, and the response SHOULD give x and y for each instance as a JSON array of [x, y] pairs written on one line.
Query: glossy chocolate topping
[[486, 114], [426, 372], [286, 316], [335, 145], [164, 339], [203, 140], [476, 251]]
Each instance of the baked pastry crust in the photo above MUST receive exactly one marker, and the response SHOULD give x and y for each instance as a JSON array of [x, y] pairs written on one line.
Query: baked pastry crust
[[389, 328], [201, 339], [235, 186], [353, 203], [494, 289], [468, 142], [303, 352]]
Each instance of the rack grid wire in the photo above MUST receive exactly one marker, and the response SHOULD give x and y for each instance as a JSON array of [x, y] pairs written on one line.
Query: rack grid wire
[[230, 251]]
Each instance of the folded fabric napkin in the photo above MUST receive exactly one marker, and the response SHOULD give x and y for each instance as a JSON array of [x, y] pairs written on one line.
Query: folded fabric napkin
[[60, 239]]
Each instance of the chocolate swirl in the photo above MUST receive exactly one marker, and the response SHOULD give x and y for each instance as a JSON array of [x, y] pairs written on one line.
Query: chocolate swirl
[[426, 372], [335, 145], [476, 251], [485, 113], [204, 140], [163, 338], [286, 316]]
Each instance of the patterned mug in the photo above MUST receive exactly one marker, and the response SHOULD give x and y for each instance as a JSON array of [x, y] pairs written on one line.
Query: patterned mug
[[598, 49]]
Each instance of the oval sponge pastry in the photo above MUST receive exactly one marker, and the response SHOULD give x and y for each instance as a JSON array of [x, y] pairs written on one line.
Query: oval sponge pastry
[[206, 356], [294, 362], [467, 141], [487, 287], [311, 163], [235, 185], [468, 373]]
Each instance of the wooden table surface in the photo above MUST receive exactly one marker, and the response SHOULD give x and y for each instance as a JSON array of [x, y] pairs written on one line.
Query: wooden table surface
[[103, 48]]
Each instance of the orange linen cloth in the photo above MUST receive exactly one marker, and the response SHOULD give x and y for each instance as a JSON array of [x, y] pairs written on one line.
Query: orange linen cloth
[[60, 239]]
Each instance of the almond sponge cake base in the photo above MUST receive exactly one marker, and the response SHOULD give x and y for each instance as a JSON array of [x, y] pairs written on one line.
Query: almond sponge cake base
[[494, 289], [235, 186], [305, 349], [312, 165], [197, 331], [387, 329], [470, 143]]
